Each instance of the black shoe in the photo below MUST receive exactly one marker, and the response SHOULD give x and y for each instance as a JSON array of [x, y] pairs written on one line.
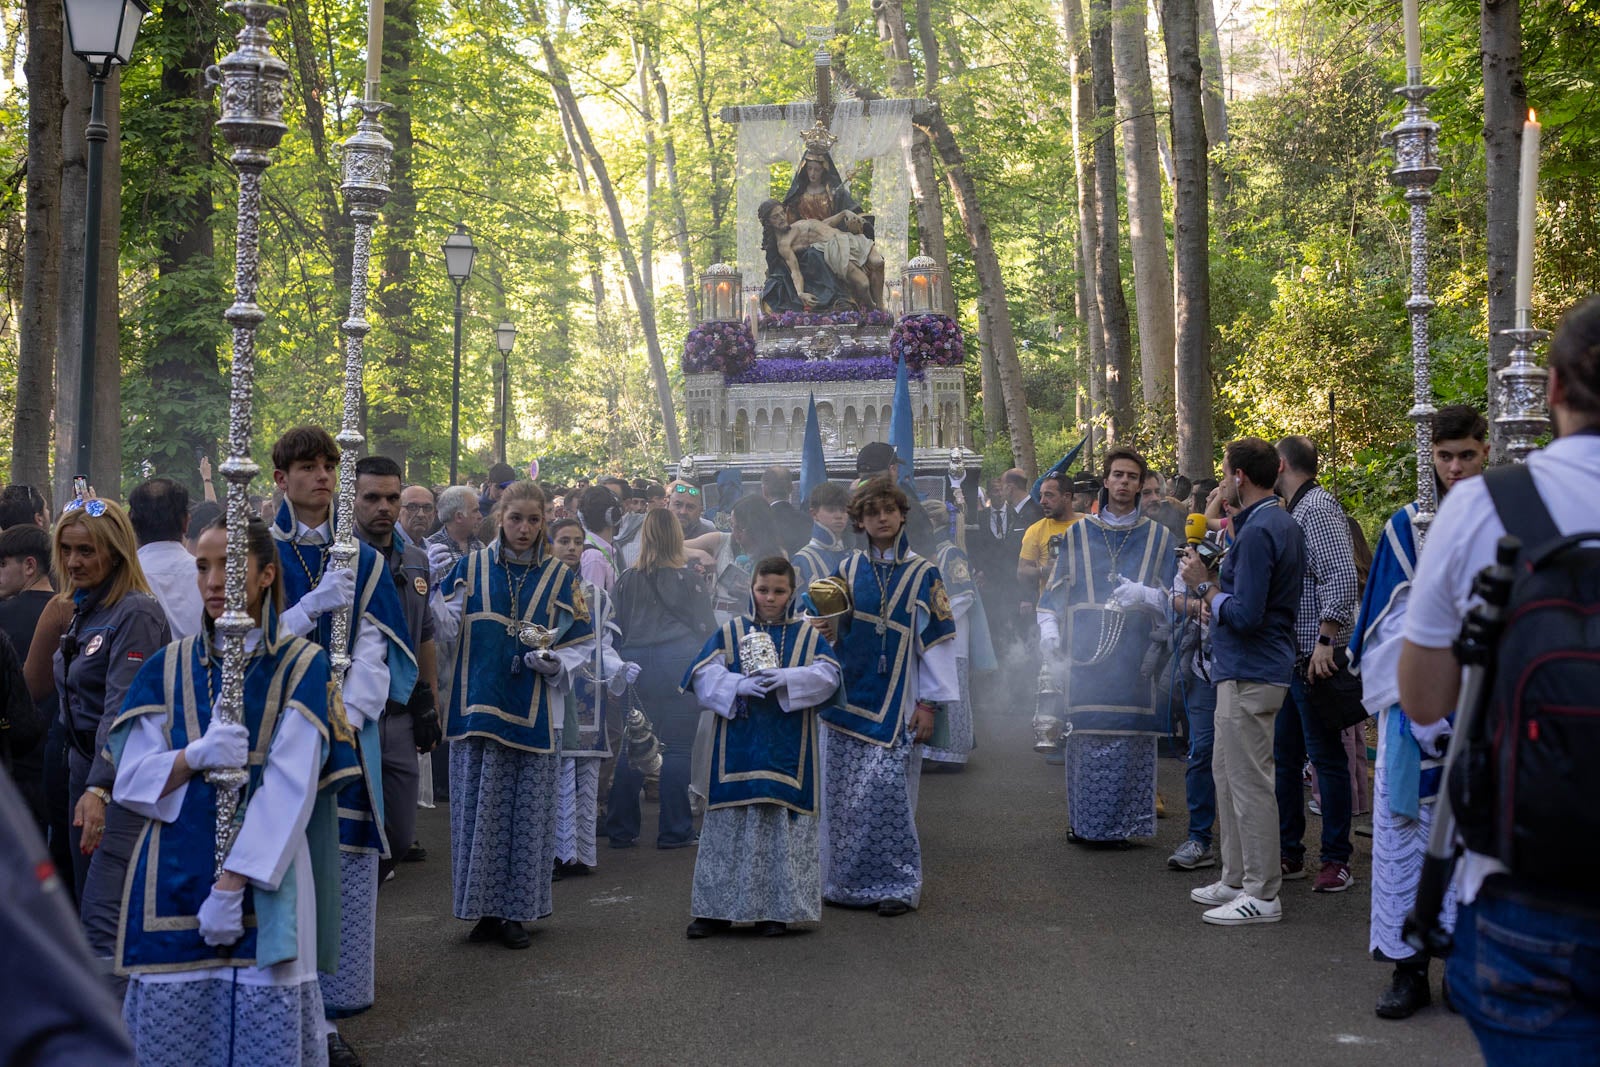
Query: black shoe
[[488, 929], [890, 908], [558, 872], [623, 842], [705, 928], [514, 935], [1407, 992], [415, 854], [770, 928], [577, 868], [341, 1054]]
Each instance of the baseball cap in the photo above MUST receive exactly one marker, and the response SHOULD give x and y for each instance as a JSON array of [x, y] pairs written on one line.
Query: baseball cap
[[875, 457]]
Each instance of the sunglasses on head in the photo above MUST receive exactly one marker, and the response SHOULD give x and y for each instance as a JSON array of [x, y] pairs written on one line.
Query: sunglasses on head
[[691, 490], [95, 507]]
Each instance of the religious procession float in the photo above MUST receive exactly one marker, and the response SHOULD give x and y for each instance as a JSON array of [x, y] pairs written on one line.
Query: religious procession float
[[823, 302]]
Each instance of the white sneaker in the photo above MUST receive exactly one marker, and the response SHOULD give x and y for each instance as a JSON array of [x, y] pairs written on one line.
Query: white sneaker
[[1214, 894], [1243, 910]]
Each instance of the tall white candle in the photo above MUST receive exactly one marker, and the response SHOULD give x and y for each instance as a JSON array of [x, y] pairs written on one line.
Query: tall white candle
[[1413, 37], [1527, 210], [374, 47]]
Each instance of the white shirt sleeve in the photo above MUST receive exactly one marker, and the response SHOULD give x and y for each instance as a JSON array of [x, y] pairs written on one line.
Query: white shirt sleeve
[[1460, 543], [447, 613], [143, 771], [937, 680], [276, 816], [716, 687], [808, 686], [366, 682]]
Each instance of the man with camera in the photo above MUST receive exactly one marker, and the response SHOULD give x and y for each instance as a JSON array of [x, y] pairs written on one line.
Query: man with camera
[[1525, 970], [1252, 601]]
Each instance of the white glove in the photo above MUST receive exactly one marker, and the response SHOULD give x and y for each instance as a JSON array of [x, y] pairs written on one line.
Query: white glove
[[1049, 633], [1131, 594], [224, 744], [1433, 739], [544, 664], [755, 685], [624, 675], [441, 561], [222, 917], [335, 592]]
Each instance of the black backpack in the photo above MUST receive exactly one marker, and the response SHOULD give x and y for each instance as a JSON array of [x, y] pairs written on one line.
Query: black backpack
[[1529, 793]]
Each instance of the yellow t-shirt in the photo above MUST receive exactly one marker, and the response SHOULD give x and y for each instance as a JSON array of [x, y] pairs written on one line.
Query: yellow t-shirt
[[1036, 545]]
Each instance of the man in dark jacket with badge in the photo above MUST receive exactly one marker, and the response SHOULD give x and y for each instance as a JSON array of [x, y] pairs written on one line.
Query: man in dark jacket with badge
[[413, 727]]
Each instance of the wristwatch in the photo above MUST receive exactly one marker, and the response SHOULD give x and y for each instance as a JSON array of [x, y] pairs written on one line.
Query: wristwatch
[[1324, 639], [1202, 589], [99, 791]]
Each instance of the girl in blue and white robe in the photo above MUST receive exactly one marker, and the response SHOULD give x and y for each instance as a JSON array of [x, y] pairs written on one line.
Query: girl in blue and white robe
[[506, 717], [758, 859], [195, 997]]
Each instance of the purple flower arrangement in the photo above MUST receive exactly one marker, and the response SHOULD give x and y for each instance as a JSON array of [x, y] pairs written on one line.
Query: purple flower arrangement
[[927, 340], [724, 347], [789, 320], [783, 369]]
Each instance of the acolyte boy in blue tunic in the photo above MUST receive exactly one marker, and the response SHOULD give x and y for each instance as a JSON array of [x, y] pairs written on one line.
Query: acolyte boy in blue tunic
[[765, 756], [377, 605], [879, 643]]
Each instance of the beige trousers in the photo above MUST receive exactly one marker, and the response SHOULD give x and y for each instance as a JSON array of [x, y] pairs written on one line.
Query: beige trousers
[[1247, 806]]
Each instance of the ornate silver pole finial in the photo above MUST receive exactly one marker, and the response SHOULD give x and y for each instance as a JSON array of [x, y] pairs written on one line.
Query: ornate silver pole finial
[[1523, 416], [251, 104], [365, 187], [1416, 169]]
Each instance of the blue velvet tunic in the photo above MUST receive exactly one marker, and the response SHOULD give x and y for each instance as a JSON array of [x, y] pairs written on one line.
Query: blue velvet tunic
[[766, 756], [173, 865], [492, 693]]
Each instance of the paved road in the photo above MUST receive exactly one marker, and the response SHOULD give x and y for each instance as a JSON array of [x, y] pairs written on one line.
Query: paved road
[[1025, 950]]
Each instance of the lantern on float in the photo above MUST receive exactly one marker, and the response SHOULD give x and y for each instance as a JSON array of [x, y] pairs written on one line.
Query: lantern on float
[[720, 294], [922, 287]]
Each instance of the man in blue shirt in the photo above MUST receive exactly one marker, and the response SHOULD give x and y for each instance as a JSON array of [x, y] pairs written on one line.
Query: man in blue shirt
[[1251, 606]]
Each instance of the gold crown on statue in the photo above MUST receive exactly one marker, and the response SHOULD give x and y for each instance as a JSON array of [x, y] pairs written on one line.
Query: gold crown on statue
[[830, 596], [818, 138]]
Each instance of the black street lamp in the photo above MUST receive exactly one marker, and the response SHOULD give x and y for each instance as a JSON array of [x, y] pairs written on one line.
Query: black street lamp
[[458, 254], [102, 34], [505, 335]]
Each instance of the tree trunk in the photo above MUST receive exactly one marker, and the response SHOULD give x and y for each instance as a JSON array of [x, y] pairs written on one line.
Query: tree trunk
[[680, 218], [1180, 26], [1108, 263], [647, 231], [105, 466], [182, 362], [994, 400], [630, 264], [69, 291], [1091, 350], [1505, 107], [314, 91], [1147, 223], [388, 432], [1083, 169], [41, 259], [924, 183], [991, 286], [1214, 100]]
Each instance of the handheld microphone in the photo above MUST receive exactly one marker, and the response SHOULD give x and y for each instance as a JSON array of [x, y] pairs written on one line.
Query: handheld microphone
[[1194, 528]]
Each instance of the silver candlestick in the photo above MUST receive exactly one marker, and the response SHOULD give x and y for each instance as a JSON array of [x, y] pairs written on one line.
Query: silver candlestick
[[1523, 417], [251, 80], [365, 186], [1416, 153]]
